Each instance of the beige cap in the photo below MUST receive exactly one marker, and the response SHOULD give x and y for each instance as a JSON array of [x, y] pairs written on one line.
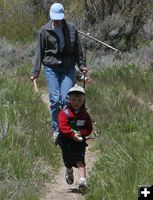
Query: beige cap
[[76, 88]]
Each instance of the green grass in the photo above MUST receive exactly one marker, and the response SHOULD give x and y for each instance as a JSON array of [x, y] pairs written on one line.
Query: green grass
[[124, 132], [28, 155]]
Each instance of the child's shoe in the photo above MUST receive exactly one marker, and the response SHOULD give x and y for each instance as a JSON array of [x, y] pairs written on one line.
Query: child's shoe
[[83, 185], [69, 176]]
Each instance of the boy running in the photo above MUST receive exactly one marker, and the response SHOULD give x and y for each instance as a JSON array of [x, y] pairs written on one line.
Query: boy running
[[74, 125]]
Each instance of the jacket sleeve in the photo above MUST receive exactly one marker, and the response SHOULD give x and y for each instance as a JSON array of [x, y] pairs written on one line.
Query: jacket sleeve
[[78, 53], [39, 55], [88, 126], [64, 126]]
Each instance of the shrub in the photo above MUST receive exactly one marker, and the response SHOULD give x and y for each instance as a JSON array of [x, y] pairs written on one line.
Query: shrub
[[15, 55], [18, 19]]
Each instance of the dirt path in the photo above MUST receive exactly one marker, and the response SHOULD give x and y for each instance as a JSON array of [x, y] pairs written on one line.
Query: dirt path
[[59, 189]]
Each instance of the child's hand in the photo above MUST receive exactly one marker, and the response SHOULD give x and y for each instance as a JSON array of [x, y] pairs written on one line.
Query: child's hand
[[77, 137]]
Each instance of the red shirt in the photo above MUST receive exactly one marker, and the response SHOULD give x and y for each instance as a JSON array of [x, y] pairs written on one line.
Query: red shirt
[[68, 118]]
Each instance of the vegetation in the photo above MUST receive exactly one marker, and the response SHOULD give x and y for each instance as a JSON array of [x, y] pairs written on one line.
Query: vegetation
[[19, 20], [124, 123], [119, 98], [27, 152], [119, 23]]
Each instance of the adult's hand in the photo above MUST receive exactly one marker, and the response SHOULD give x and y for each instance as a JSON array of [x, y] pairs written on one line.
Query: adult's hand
[[33, 78], [88, 79], [84, 69]]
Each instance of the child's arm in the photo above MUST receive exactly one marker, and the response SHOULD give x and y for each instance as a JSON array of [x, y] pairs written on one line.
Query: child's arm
[[66, 129], [64, 126]]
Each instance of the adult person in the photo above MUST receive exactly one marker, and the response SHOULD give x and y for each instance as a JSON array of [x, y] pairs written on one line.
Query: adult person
[[59, 50]]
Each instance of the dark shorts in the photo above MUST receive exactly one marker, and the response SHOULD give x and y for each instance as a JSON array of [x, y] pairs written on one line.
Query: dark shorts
[[71, 159], [72, 151]]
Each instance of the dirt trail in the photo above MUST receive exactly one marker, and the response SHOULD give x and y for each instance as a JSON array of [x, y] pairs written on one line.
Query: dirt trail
[[59, 189]]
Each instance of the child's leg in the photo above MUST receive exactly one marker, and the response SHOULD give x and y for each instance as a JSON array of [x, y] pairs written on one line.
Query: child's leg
[[69, 170], [69, 175], [82, 170], [82, 175]]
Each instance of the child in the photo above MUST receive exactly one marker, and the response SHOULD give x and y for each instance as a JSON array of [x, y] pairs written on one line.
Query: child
[[74, 124]]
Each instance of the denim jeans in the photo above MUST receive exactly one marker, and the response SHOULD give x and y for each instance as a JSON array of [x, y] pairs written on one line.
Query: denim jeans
[[59, 83]]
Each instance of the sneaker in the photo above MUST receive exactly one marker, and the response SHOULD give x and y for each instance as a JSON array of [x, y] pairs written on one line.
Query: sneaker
[[69, 176], [83, 185], [55, 134]]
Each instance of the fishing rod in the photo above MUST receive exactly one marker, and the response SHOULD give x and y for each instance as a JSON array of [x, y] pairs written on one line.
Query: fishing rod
[[95, 39], [85, 64]]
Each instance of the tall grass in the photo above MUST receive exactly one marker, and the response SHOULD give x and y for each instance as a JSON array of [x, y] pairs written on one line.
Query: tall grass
[[28, 155], [19, 20], [125, 132], [124, 125]]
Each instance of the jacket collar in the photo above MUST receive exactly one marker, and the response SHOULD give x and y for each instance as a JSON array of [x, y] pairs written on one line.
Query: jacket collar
[[82, 109], [49, 25]]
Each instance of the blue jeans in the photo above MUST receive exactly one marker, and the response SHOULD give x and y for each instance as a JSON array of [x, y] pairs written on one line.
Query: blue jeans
[[59, 84]]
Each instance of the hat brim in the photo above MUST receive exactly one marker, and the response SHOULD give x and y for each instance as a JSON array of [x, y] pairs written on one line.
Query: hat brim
[[55, 16], [75, 92]]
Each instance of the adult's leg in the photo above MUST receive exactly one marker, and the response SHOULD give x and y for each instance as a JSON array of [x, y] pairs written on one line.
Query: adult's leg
[[53, 80], [67, 82]]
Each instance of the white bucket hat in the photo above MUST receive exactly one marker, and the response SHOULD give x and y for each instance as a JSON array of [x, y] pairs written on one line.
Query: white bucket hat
[[76, 88], [57, 11]]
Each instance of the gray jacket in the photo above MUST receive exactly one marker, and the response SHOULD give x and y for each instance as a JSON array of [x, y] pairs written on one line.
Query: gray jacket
[[48, 50]]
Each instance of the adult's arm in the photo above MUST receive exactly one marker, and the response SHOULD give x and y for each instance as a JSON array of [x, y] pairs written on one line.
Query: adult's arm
[[78, 53], [39, 55]]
